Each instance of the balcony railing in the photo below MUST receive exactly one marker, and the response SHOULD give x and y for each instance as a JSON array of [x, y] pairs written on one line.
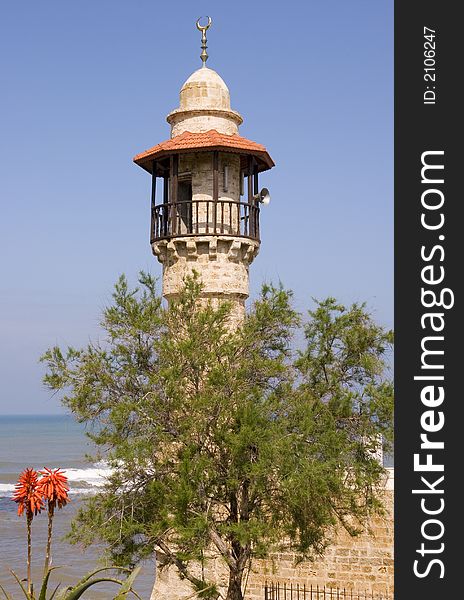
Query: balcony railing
[[205, 217]]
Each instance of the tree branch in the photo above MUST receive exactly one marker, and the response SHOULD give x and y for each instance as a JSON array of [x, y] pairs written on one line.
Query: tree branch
[[181, 566], [223, 549]]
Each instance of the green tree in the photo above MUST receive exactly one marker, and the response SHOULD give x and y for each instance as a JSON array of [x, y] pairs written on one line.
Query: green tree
[[225, 441]]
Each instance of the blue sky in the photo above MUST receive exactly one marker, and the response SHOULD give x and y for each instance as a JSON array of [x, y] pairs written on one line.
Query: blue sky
[[87, 85]]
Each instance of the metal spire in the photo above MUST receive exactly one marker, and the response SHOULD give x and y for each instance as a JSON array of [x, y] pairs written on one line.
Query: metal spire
[[204, 29]]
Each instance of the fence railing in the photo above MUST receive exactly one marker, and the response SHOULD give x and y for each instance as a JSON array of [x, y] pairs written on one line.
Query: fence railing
[[296, 591], [205, 217]]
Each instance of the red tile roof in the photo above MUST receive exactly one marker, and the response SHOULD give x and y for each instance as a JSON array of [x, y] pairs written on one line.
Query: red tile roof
[[209, 140]]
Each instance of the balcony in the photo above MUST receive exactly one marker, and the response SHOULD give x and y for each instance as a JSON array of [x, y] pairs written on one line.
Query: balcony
[[204, 217]]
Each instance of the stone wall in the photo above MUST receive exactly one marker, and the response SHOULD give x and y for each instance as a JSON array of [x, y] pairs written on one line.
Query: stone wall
[[222, 263], [360, 563]]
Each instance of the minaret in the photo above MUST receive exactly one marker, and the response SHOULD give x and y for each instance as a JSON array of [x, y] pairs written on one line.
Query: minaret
[[206, 217]]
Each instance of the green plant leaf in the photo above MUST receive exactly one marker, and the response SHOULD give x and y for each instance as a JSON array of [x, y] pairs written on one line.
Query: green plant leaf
[[127, 585], [43, 589], [76, 593], [92, 573], [54, 592], [20, 583], [7, 596], [63, 592]]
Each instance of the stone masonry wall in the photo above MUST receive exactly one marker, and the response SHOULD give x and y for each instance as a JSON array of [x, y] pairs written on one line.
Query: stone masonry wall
[[360, 563]]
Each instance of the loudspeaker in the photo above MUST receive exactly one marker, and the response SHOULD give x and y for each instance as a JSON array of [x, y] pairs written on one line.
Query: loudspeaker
[[264, 196]]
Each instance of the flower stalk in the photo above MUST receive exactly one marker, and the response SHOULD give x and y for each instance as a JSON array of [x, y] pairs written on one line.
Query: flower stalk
[[53, 486], [29, 499]]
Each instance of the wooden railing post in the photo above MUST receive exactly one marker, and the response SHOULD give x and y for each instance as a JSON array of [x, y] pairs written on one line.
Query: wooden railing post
[[153, 203], [250, 186], [215, 188], [174, 189], [164, 211]]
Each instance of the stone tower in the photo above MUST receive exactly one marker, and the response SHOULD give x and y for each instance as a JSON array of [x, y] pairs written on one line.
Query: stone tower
[[206, 217]]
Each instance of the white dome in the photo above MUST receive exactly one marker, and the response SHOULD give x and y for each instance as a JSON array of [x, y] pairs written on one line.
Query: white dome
[[204, 89], [204, 105]]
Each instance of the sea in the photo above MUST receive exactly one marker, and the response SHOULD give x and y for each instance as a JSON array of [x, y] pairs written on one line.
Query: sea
[[52, 441]]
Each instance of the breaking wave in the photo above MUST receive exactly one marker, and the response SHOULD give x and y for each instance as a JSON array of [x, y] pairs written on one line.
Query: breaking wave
[[81, 481]]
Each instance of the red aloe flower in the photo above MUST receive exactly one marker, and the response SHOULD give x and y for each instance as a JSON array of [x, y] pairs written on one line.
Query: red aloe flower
[[53, 486], [27, 493], [29, 498]]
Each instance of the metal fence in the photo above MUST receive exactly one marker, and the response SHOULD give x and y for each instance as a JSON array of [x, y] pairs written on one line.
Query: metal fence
[[296, 591]]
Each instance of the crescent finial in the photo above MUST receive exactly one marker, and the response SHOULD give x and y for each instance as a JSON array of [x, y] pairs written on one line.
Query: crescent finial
[[203, 29]]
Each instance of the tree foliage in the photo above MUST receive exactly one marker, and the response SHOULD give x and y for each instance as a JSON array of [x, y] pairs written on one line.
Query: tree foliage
[[227, 440]]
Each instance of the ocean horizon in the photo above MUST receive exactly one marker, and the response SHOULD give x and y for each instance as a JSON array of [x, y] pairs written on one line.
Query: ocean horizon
[[40, 441]]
